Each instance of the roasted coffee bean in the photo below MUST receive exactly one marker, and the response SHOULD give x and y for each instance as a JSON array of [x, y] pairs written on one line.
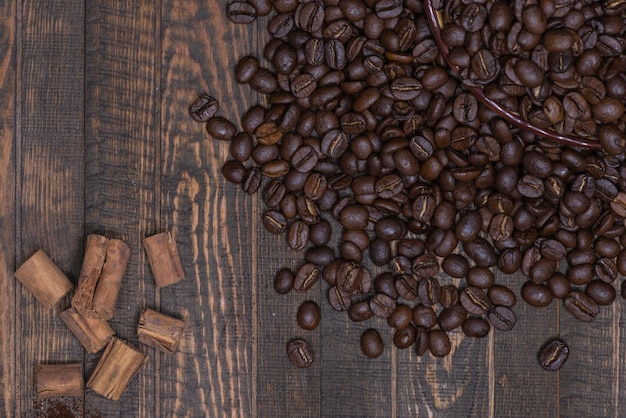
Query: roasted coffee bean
[[405, 337], [407, 287], [382, 305], [452, 317], [252, 181], [606, 270], [384, 283], [300, 353], [360, 311], [309, 315], [439, 343], [425, 266], [220, 128], [372, 343], [275, 222], [307, 275], [581, 306], [481, 252], [601, 292], [204, 108], [455, 265], [401, 317], [283, 281], [537, 295], [338, 298], [553, 355], [475, 300], [501, 295], [502, 318], [429, 291], [241, 12], [476, 327], [480, 277], [449, 296]]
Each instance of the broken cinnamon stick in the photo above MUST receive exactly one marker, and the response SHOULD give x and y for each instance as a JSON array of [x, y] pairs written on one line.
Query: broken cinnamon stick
[[108, 288], [118, 365], [159, 330], [93, 261], [92, 333], [59, 380], [164, 259], [44, 279]]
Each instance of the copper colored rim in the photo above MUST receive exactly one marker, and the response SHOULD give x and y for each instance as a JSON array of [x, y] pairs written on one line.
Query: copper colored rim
[[574, 141]]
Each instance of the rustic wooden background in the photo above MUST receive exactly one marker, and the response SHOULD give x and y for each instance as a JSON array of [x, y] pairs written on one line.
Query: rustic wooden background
[[95, 137]]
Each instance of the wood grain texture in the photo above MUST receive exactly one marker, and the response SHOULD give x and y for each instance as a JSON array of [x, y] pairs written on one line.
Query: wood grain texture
[[590, 380], [522, 387], [213, 372], [50, 181], [121, 168], [8, 144]]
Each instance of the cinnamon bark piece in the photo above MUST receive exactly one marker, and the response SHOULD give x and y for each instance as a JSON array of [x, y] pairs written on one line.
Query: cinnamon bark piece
[[164, 259], [159, 330], [108, 288], [92, 333], [44, 279], [118, 365], [59, 380], [93, 261]]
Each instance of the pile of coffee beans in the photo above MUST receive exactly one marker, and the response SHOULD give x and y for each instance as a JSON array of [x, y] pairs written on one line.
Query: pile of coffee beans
[[555, 63], [403, 192]]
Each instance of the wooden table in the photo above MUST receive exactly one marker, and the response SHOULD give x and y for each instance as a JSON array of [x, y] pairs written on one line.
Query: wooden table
[[96, 138]]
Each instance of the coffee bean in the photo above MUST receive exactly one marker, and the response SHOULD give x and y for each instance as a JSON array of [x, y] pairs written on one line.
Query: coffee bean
[[371, 343], [338, 298], [581, 306], [241, 12], [476, 327], [307, 275], [439, 343], [382, 305], [308, 315], [553, 355], [283, 281], [360, 311], [204, 108], [300, 353], [502, 318], [601, 292]]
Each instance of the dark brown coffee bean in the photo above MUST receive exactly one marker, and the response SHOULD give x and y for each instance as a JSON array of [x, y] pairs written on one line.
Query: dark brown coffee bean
[[439, 343], [252, 181], [425, 266], [338, 299], [553, 355], [275, 222], [405, 337], [481, 252], [220, 128], [360, 311], [581, 306], [455, 265], [246, 69], [264, 81], [429, 291], [308, 315], [501, 295], [371, 343], [405, 88], [502, 318], [300, 353], [537, 295], [283, 281], [407, 287], [354, 217], [601, 292], [241, 12], [452, 317], [475, 300], [382, 305], [476, 327], [204, 108], [309, 16], [306, 277]]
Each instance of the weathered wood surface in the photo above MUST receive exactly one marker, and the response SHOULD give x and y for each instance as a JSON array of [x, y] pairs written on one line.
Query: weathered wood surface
[[95, 138]]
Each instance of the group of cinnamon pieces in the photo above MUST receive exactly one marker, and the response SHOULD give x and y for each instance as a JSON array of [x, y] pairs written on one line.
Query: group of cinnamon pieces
[[93, 305]]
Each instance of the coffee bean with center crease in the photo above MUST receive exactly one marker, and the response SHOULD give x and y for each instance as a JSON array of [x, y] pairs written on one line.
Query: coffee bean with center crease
[[298, 235], [204, 108], [553, 355], [382, 305], [502, 318], [309, 16], [275, 222], [300, 353], [581, 306], [475, 300], [241, 12]]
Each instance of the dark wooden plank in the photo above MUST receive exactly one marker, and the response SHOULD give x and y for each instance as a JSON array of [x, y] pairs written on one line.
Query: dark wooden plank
[[589, 381], [8, 143], [213, 373], [458, 385], [50, 184], [522, 387], [122, 166]]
